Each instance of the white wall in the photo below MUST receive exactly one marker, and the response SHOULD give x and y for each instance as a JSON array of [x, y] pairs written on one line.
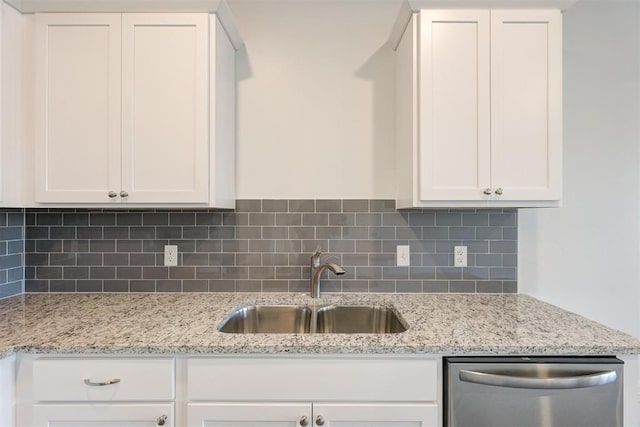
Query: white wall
[[315, 99], [585, 256]]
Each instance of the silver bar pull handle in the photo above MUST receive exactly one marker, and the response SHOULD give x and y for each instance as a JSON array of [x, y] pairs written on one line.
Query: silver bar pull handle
[[90, 383], [578, 381]]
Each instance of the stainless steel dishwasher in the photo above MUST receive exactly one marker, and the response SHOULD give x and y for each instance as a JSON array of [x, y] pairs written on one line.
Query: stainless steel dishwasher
[[533, 392]]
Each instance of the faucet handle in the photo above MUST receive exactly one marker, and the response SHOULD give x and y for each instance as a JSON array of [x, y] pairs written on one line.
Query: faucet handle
[[315, 258]]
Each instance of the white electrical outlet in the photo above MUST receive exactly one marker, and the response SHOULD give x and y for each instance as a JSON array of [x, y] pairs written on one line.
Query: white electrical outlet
[[460, 256], [402, 256], [170, 255]]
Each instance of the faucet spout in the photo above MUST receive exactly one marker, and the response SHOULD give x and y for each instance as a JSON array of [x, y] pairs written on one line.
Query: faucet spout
[[317, 270], [335, 268]]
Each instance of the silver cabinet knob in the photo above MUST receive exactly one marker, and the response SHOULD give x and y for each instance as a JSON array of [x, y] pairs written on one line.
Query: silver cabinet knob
[[498, 191], [304, 421], [112, 194], [487, 191], [124, 194], [161, 420], [319, 420]]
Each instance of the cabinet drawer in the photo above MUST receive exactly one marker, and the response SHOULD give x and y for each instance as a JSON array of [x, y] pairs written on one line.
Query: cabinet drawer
[[80, 379], [300, 379]]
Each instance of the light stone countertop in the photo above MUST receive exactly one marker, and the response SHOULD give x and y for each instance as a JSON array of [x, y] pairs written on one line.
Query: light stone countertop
[[447, 324]]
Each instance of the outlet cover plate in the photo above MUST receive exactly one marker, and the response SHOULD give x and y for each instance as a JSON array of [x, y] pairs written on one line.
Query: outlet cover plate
[[402, 256], [170, 255], [460, 256]]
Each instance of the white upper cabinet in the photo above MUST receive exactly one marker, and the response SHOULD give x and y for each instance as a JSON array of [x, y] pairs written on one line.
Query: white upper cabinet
[[165, 99], [479, 104], [134, 108]]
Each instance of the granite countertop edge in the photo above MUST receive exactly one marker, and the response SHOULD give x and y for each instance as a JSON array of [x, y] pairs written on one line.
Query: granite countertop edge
[[186, 324]]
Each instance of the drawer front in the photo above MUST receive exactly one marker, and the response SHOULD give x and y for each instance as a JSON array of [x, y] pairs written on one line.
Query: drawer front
[[299, 379], [103, 379]]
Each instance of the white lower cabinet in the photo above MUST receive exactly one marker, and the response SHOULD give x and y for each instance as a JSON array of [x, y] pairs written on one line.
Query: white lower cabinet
[[382, 415], [318, 391], [227, 391], [95, 391], [248, 414], [102, 415], [312, 414], [7, 391]]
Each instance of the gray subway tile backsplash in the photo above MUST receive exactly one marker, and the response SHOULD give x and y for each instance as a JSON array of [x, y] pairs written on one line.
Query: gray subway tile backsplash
[[12, 248], [264, 246], [382, 205]]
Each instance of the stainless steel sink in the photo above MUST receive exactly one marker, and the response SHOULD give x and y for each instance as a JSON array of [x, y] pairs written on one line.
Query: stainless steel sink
[[359, 319], [333, 319], [272, 319]]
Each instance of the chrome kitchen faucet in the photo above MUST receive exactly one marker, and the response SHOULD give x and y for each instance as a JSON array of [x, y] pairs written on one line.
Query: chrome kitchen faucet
[[316, 272]]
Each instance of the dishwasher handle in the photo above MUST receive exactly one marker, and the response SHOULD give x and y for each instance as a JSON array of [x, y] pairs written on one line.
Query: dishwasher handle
[[554, 383]]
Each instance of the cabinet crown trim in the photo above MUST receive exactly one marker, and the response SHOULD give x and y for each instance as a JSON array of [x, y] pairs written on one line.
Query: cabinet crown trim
[[409, 7], [219, 7]]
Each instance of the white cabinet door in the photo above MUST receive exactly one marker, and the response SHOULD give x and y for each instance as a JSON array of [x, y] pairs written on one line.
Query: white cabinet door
[[165, 99], [300, 414], [455, 105], [249, 414], [380, 415], [77, 125], [7, 391], [77, 415], [1, 111], [526, 98]]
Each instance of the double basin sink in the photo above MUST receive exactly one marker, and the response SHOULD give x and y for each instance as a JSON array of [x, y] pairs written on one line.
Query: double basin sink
[[307, 319]]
